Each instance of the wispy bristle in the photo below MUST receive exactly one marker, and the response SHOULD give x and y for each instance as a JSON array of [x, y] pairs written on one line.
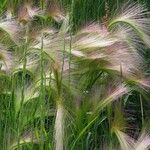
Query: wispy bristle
[[94, 36], [114, 95], [94, 28], [118, 92], [11, 27], [55, 11], [6, 58], [108, 47], [30, 93], [126, 142], [143, 142], [27, 13], [135, 17], [129, 143]]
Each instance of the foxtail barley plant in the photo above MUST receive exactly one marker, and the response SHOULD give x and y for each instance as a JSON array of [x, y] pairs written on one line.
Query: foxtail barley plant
[[69, 88]]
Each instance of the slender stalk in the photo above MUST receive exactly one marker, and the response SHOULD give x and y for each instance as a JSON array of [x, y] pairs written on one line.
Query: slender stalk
[[42, 90], [62, 67], [117, 4], [23, 83], [70, 32], [142, 111], [59, 120]]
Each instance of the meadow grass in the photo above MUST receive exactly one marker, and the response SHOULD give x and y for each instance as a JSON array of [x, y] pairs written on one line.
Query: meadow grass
[[74, 75]]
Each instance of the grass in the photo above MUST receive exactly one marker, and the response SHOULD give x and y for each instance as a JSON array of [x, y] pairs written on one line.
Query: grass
[[74, 75]]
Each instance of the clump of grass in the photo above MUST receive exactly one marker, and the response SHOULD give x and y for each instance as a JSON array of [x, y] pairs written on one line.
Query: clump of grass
[[70, 89]]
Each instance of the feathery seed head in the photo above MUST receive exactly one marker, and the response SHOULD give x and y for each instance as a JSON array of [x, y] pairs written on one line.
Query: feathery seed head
[[6, 59]]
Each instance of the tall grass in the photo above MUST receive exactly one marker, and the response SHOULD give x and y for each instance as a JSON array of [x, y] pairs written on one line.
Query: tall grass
[[73, 75]]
